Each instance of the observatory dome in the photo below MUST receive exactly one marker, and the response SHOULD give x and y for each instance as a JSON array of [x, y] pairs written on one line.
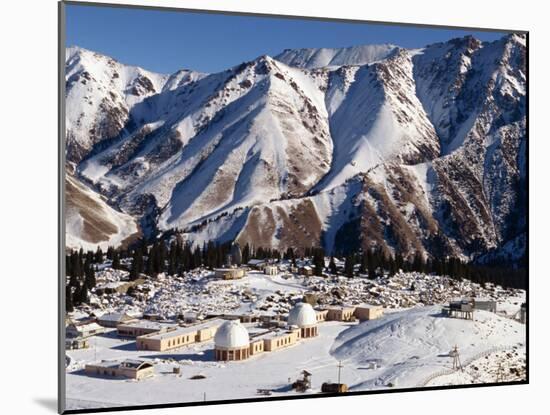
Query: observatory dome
[[231, 334], [302, 315]]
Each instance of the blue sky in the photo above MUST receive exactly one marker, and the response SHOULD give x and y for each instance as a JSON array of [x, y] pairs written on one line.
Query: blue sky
[[165, 41]]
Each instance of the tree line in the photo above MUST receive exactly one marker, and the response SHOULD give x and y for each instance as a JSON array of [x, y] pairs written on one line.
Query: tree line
[[178, 257]]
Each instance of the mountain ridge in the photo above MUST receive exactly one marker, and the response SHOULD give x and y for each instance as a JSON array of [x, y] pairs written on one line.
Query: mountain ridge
[[422, 149]]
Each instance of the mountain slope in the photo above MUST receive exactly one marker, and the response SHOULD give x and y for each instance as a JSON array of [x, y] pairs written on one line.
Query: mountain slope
[[407, 150], [101, 94], [326, 57], [91, 222], [380, 119]]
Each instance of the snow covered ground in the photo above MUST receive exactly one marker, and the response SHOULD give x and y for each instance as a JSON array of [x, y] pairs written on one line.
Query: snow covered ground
[[199, 292], [408, 347]]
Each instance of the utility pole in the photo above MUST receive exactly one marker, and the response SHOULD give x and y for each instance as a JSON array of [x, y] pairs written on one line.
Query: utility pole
[[339, 370], [456, 359]]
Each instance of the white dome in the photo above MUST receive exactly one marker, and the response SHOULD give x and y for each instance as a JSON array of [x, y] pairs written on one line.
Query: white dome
[[231, 334], [302, 315]]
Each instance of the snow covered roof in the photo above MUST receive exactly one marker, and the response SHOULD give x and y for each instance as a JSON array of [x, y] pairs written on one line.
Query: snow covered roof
[[114, 317], [85, 327], [369, 306], [178, 331], [231, 334], [135, 364], [128, 363], [302, 315], [147, 324]]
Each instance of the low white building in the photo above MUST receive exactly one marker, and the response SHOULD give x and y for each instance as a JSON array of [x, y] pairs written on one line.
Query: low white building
[[74, 330], [271, 270], [368, 312], [114, 319]]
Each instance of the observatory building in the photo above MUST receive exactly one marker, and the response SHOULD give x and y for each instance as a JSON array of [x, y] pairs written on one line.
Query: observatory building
[[304, 317], [231, 341]]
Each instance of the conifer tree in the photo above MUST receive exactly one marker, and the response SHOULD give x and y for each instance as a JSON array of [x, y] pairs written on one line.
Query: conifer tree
[[371, 268], [68, 299], [98, 258], [116, 260], [392, 269], [246, 253], [89, 277], [81, 295], [137, 264], [363, 264], [332, 266], [348, 266]]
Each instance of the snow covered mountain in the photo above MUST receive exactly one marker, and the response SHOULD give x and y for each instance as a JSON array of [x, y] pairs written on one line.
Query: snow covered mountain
[[333, 57], [102, 92], [91, 222], [409, 150]]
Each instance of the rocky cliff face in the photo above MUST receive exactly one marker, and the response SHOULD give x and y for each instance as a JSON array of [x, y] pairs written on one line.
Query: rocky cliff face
[[408, 150]]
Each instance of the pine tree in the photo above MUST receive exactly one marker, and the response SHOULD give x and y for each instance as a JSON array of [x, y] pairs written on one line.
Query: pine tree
[[332, 266], [348, 266], [392, 268], [98, 258], [363, 264], [197, 258], [137, 264], [398, 262], [89, 277], [289, 254], [68, 299], [110, 252], [418, 264], [81, 295], [371, 268], [246, 253], [68, 267], [116, 260], [318, 260]]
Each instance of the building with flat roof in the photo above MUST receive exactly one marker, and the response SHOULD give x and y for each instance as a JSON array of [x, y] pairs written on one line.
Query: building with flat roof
[[131, 369], [368, 312], [306, 270], [321, 315], [340, 313], [463, 308], [229, 273], [279, 339], [85, 330], [258, 264], [175, 337], [76, 343], [485, 304], [271, 270], [114, 319], [142, 327], [256, 345]]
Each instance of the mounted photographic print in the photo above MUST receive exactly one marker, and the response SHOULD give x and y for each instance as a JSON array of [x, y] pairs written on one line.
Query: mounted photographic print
[[260, 207]]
